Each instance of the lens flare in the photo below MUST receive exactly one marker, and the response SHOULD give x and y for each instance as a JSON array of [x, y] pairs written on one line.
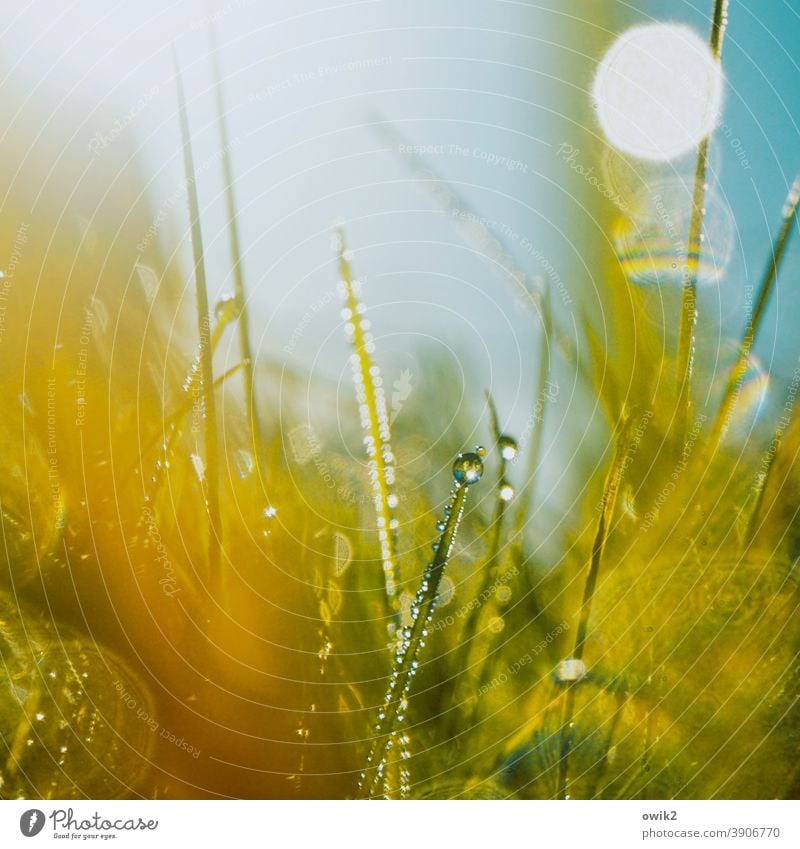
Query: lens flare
[[658, 91], [714, 363], [651, 242]]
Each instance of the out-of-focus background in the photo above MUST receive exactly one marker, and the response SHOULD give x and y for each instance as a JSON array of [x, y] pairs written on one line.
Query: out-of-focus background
[[457, 146], [334, 111]]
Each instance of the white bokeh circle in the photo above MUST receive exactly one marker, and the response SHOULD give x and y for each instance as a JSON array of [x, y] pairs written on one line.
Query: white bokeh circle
[[658, 91]]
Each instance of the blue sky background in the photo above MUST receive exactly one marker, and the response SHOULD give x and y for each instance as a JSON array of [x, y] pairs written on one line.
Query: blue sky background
[[489, 89], [761, 123]]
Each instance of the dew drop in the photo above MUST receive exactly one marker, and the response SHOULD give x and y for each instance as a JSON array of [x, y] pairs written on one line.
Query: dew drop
[[506, 491], [504, 594], [446, 591], [342, 553], [226, 309], [406, 616], [99, 315], [508, 447], [149, 281], [199, 466], [468, 468], [628, 502], [571, 669], [244, 463]]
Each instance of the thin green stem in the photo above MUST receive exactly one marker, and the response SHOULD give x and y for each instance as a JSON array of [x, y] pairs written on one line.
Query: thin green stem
[[211, 459], [245, 350], [489, 568], [789, 216], [610, 492], [375, 423], [538, 418], [688, 317], [490, 245], [467, 471], [768, 465]]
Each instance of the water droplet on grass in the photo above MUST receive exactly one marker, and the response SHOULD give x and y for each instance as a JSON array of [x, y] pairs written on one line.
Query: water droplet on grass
[[508, 447], [468, 468]]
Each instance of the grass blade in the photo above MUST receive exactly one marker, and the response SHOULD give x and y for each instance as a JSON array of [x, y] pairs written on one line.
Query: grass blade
[[688, 317], [211, 475], [245, 350]]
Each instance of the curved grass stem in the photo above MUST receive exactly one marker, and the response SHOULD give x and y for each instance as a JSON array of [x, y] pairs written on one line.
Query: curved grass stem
[[375, 424], [461, 666], [768, 466], [243, 325], [489, 245], [610, 493], [211, 456], [538, 417], [412, 638], [688, 317], [737, 373]]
